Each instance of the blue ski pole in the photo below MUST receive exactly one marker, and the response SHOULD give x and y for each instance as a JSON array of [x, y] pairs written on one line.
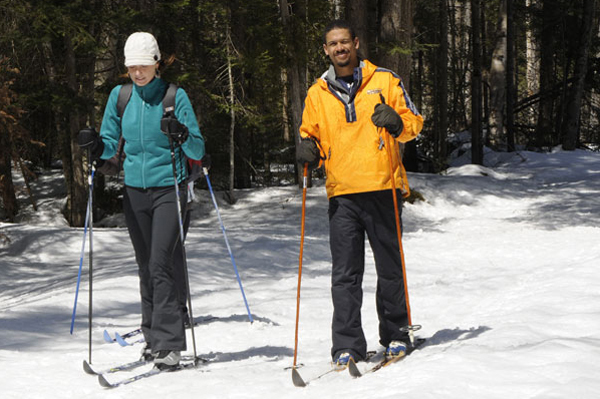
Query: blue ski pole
[[212, 194], [87, 218]]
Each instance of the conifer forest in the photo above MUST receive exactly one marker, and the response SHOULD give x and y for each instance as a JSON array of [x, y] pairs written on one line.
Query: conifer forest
[[506, 74]]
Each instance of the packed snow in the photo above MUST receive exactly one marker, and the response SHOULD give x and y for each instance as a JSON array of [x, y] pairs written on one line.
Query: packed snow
[[503, 273]]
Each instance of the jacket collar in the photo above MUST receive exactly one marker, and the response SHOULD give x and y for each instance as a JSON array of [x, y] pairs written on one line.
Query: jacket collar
[[153, 92], [362, 73]]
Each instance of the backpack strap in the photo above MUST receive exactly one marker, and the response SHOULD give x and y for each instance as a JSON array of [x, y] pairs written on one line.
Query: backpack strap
[[125, 95], [123, 99], [168, 101]]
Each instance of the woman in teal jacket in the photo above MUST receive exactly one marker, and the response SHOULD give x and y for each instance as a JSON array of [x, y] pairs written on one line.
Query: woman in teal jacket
[[149, 199]]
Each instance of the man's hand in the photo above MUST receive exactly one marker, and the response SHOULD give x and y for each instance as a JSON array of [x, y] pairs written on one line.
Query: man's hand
[[173, 129], [385, 116], [308, 152]]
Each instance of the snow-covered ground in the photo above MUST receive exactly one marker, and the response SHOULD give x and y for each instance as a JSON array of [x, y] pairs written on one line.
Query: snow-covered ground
[[503, 266]]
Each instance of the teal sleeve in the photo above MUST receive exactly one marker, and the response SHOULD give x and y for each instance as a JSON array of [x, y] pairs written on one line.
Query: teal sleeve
[[110, 131], [184, 112]]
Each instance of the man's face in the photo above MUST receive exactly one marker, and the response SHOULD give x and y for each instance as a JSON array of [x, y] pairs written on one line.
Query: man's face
[[340, 48]]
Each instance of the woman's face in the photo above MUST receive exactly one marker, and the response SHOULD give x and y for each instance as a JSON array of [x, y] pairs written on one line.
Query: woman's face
[[141, 75]]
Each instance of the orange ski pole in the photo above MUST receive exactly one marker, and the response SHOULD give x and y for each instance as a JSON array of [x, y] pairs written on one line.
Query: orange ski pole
[[388, 146], [295, 375]]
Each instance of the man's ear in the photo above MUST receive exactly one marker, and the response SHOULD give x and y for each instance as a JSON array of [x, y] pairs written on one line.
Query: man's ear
[[356, 43]]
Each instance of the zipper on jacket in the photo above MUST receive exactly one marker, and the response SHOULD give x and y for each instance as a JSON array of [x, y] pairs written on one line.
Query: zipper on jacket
[[142, 142]]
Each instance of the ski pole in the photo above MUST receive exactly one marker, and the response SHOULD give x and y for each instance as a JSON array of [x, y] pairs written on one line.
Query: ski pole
[[295, 375], [410, 328], [91, 256], [181, 237], [87, 218], [212, 194]]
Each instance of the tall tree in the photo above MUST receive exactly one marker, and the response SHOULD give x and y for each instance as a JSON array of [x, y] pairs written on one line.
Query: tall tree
[[441, 86], [550, 24], [293, 18], [497, 82], [476, 141], [571, 133], [394, 39], [532, 69], [361, 14], [231, 99], [510, 76], [394, 51], [10, 114]]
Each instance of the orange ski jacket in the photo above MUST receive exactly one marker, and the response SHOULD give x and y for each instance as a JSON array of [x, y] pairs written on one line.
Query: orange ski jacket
[[353, 149]]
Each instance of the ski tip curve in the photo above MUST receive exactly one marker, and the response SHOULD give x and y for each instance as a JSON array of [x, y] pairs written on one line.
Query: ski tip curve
[[107, 337]]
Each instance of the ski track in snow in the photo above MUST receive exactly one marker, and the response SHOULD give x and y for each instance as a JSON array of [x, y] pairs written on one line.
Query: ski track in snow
[[502, 265]]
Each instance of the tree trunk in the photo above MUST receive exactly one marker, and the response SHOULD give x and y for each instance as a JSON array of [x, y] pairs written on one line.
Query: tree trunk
[[498, 83], [532, 73], [337, 8], [9, 199], [395, 32], [544, 129], [441, 87], [476, 141], [574, 107], [231, 119], [74, 169], [287, 137], [510, 76], [357, 13], [294, 31], [459, 66]]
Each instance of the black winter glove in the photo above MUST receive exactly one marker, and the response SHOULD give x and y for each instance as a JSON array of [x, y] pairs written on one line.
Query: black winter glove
[[385, 116], [173, 129], [88, 139], [206, 161], [308, 152]]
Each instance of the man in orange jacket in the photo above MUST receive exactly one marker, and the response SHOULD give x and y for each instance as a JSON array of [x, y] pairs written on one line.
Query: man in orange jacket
[[348, 113]]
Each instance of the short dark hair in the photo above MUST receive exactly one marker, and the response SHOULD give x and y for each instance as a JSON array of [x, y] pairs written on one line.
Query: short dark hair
[[338, 24]]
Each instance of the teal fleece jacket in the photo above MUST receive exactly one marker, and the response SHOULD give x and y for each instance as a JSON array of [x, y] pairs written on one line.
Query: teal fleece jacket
[[147, 152]]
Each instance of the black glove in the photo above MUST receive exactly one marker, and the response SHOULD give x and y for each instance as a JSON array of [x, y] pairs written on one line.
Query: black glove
[[88, 139], [385, 116], [173, 129], [205, 161], [308, 152]]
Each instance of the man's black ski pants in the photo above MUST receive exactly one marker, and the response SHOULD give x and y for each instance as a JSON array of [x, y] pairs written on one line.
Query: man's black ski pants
[[350, 218]]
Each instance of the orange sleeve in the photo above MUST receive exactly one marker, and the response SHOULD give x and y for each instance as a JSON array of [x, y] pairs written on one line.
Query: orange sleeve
[[412, 119], [309, 127], [310, 123]]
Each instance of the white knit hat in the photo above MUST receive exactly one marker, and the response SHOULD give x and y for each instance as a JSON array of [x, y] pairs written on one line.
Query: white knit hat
[[141, 48]]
